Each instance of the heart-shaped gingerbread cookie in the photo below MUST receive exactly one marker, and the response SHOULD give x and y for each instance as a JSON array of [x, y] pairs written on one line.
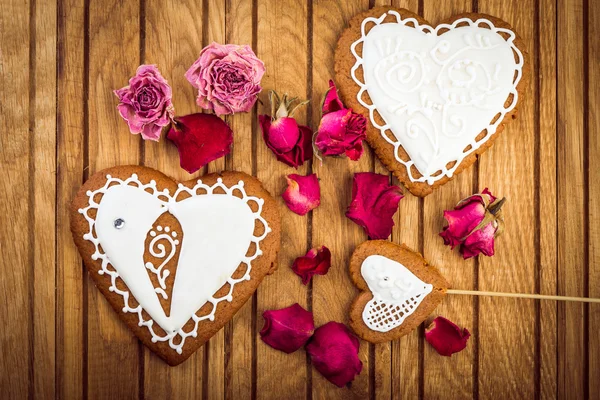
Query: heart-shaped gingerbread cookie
[[399, 290], [175, 261], [437, 96]]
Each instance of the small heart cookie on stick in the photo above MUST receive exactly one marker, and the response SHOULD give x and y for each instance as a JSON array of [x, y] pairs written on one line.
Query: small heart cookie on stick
[[399, 290]]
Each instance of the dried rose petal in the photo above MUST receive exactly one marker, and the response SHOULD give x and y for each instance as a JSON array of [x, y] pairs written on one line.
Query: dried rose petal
[[473, 224], [334, 353], [316, 262], [200, 139], [341, 130], [446, 337], [302, 194], [287, 329], [374, 203]]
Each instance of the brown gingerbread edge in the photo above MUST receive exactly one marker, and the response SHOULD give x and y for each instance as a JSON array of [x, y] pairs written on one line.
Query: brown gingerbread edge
[[344, 61], [412, 260], [261, 266]]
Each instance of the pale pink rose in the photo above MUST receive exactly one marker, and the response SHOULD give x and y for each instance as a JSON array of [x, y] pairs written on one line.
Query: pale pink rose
[[146, 103], [227, 78]]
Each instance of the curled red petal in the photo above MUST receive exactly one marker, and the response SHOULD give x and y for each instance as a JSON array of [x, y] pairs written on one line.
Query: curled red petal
[[446, 337], [462, 221], [287, 329], [334, 353], [302, 194], [200, 139], [332, 101], [316, 262], [480, 241], [374, 203]]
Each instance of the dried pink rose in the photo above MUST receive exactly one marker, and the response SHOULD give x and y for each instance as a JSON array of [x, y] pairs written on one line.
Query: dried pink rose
[[200, 139], [341, 130], [302, 194], [146, 102], [333, 351], [287, 329], [227, 78], [374, 203], [316, 262], [290, 142], [473, 224], [446, 337]]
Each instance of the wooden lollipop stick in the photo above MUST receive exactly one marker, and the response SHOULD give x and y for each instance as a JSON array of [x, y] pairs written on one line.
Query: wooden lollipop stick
[[523, 296]]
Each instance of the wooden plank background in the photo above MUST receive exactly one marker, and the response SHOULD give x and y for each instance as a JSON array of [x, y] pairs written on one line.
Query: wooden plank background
[[60, 61]]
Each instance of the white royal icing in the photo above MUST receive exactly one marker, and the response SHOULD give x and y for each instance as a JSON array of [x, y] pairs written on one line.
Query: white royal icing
[[217, 232], [437, 88], [397, 293]]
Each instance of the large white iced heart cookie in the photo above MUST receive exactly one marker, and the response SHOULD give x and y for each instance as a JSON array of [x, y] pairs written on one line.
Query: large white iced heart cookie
[[175, 260], [434, 95]]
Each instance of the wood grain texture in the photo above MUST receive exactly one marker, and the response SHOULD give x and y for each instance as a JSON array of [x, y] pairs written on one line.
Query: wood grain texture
[[240, 332], [44, 200], [571, 199], [547, 198], [114, 55], [16, 199], [454, 374], [511, 323], [333, 293], [282, 44], [71, 336], [173, 41], [60, 61]]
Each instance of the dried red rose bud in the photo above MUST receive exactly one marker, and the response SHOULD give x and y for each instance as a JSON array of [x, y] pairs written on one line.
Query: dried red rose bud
[[316, 262], [374, 203], [287, 329], [333, 351], [291, 143], [200, 139], [473, 224], [341, 131], [446, 337], [302, 194]]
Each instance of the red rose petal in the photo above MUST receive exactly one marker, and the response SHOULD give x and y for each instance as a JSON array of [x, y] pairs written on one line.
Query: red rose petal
[[316, 262], [332, 101], [374, 203], [200, 139], [302, 194], [446, 337], [334, 353], [287, 329]]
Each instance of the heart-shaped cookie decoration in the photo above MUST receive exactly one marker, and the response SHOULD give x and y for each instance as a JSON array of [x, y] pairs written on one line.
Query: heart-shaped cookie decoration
[[175, 261], [399, 290], [436, 97]]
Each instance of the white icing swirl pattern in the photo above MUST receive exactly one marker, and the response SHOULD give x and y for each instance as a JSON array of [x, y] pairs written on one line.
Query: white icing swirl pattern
[[218, 229], [436, 89]]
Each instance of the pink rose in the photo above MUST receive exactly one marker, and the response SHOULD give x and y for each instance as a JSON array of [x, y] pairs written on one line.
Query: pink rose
[[473, 224], [333, 350], [227, 78], [341, 130], [290, 142], [146, 103]]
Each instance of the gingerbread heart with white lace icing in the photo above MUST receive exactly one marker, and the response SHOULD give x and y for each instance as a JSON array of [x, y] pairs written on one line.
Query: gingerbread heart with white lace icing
[[175, 260], [436, 97], [399, 290]]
